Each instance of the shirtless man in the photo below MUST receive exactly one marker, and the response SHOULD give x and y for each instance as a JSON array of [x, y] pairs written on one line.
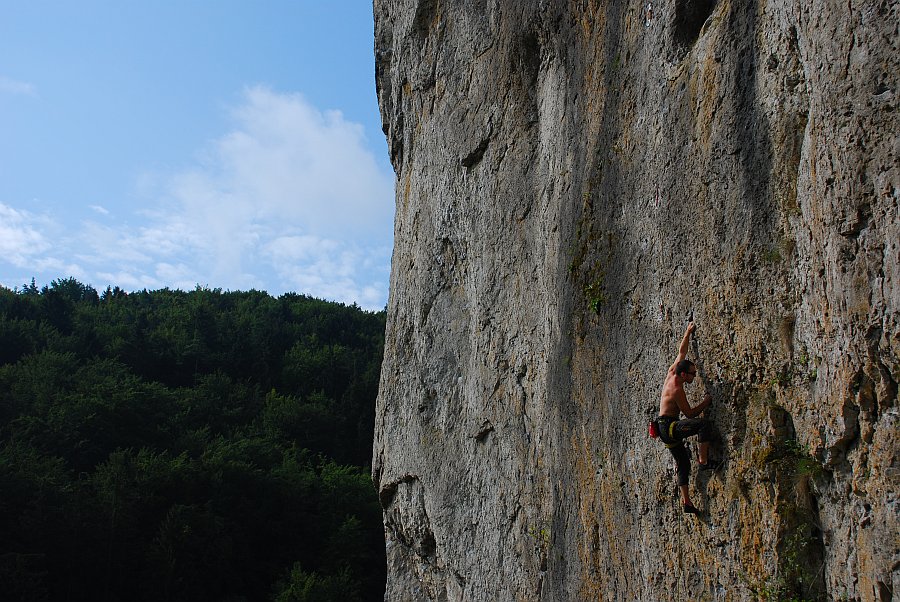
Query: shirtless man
[[673, 431]]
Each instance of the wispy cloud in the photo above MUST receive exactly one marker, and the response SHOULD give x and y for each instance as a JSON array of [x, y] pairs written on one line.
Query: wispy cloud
[[32, 245], [339, 270], [290, 199], [21, 236], [11, 86], [286, 160]]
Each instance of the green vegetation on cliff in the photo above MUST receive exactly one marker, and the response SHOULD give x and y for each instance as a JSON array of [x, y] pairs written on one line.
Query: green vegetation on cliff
[[201, 445]]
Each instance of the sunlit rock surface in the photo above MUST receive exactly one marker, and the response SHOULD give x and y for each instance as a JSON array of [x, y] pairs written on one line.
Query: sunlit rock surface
[[574, 178]]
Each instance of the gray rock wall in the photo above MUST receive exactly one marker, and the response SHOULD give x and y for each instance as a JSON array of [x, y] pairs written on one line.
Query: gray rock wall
[[575, 178]]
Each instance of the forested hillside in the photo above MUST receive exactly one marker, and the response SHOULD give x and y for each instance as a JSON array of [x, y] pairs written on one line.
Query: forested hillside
[[201, 445]]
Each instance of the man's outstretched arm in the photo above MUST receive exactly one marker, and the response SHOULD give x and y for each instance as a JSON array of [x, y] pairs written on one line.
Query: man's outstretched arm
[[685, 344]]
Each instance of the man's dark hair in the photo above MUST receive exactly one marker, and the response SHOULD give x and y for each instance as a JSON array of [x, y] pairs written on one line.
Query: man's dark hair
[[683, 366]]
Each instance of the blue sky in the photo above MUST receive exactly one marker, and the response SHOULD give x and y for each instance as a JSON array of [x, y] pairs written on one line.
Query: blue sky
[[170, 143]]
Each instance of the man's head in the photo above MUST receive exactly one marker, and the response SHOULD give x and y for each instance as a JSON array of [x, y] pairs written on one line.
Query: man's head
[[686, 370]]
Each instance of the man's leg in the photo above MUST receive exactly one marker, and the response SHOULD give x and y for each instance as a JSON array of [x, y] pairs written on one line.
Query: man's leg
[[685, 495], [704, 452], [696, 426], [683, 468]]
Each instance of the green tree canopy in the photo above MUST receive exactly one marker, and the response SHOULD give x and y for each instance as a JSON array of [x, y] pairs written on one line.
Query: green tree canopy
[[200, 445]]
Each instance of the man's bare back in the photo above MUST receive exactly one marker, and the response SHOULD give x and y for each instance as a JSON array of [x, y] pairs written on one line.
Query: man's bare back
[[673, 396]]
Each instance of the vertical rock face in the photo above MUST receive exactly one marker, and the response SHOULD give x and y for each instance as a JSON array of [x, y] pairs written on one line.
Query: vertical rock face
[[573, 179]]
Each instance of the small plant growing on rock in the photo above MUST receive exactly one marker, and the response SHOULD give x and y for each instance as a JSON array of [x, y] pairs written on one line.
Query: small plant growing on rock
[[595, 292], [804, 464], [541, 534], [771, 255]]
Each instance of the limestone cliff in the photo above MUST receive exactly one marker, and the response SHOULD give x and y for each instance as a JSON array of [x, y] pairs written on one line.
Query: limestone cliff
[[574, 178]]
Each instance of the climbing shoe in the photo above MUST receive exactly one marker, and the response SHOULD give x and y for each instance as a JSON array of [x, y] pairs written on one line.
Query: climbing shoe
[[711, 465], [689, 509]]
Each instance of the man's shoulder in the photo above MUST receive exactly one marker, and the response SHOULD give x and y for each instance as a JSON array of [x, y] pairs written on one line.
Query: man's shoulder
[[670, 377]]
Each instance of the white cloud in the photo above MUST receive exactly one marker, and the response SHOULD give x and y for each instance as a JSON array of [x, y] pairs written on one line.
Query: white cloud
[[21, 237], [176, 276], [333, 269], [33, 245], [291, 190], [287, 161], [131, 281], [11, 86], [290, 200], [322, 158]]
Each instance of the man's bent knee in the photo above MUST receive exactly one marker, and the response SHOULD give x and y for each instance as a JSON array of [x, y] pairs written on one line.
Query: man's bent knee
[[704, 435]]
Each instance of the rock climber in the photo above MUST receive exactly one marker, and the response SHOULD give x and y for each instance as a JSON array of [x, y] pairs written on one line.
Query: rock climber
[[673, 431]]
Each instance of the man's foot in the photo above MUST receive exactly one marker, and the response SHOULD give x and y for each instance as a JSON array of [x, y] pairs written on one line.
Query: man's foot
[[710, 464], [690, 509]]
